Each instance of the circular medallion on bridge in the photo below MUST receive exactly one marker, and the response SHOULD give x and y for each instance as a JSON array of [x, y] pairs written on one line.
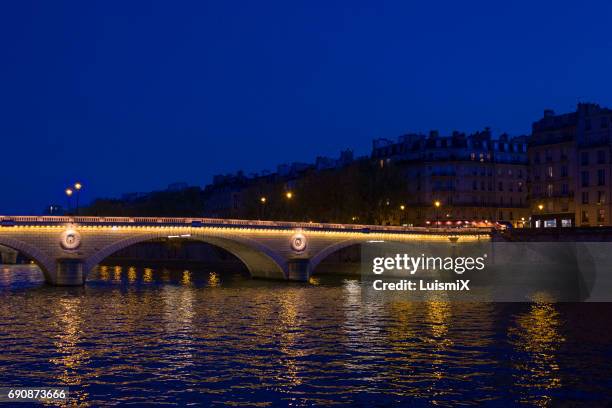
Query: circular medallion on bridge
[[298, 242], [71, 239]]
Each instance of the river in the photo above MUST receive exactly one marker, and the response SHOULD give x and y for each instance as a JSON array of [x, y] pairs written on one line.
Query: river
[[151, 335]]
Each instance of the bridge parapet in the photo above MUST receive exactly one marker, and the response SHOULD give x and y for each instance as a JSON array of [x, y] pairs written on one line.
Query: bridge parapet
[[220, 222]]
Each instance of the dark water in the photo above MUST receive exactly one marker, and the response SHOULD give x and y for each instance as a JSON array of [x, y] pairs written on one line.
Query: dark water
[[194, 337]]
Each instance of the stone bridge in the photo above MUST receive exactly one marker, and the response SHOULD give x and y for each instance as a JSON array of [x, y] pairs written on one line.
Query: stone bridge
[[67, 248]]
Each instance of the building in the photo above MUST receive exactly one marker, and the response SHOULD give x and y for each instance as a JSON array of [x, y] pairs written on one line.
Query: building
[[459, 178], [225, 197], [570, 172], [326, 163]]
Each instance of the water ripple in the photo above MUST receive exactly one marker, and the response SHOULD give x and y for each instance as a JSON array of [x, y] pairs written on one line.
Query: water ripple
[[171, 338]]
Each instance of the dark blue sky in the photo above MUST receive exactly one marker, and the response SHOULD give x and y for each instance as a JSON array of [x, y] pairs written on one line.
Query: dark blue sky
[[130, 96]]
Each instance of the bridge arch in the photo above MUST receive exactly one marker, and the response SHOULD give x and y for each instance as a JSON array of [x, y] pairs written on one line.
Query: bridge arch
[[260, 260], [42, 260], [327, 251]]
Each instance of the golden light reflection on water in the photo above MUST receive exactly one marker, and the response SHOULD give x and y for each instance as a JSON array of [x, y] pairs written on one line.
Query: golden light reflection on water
[[536, 336], [117, 270], [70, 357], [261, 342], [5, 277], [426, 347], [132, 276], [290, 334], [104, 273], [179, 329], [213, 279], [186, 279], [147, 275], [314, 281], [438, 317]]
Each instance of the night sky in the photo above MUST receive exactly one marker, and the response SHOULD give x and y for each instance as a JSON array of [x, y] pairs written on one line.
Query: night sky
[[130, 96]]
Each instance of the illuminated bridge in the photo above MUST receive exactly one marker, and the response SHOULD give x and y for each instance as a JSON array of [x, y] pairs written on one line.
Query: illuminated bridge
[[67, 248]]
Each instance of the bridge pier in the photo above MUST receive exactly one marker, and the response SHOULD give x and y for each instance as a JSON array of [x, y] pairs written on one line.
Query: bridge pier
[[298, 269], [68, 272]]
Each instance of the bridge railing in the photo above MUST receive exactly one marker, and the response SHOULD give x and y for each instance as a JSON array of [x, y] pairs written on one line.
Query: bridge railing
[[33, 219]]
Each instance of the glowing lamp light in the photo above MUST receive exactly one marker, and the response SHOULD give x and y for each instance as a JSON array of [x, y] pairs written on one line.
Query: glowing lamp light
[[78, 185], [289, 195], [68, 192]]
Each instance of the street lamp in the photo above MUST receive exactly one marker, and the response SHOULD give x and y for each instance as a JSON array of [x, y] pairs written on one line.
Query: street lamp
[[77, 186], [437, 204], [68, 195], [402, 208], [263, 201], [540, 207], [289, 196]]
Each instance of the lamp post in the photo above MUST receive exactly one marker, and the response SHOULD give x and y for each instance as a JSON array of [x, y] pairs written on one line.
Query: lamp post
[[263, 201], [437, 204], [68, 195], [77, 186], [402, 208], [541, 207], [289, 197]]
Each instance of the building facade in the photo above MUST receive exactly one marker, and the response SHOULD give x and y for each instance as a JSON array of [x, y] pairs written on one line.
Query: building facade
[[570, 171], [460, 178]]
